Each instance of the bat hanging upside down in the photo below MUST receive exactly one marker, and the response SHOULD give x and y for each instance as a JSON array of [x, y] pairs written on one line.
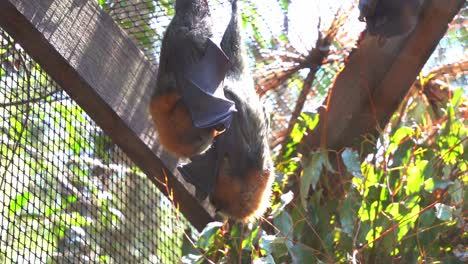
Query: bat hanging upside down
[[236, 171], [187, 107]]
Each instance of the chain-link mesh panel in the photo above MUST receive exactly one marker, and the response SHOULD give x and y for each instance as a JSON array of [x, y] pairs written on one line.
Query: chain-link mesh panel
[[67, 193]]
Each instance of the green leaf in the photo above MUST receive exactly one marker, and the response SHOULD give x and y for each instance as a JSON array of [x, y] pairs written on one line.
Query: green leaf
[[433, 184], [284, 4], [444, 212], [71, 199], [407, 222], [310, 120], [457, 95], [191, 258], [208, 234], [397, 138], [19, 202], [286, 198], [276, 246], [415, 177], [283, 37], [104, 259], [251, 240], [393, 209], [352, 163], [75, 219], [150, 6], [265, 243], [268, 259], [301, 254], [60, 232], [103, 4], [369, 212], [311, 174], [297, 214], [451, 146], [306, 121], [373, 234], [456, 192], [15, 128], [187, 245], [427, 218], [403, 153], [348, 214], [402, 133], [168, 6], [284, 223]]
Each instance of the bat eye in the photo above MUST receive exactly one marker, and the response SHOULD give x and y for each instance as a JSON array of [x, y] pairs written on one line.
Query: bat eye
[[219, 129]]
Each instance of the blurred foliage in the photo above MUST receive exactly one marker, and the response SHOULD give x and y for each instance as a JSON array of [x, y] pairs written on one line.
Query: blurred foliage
[[68, 194]]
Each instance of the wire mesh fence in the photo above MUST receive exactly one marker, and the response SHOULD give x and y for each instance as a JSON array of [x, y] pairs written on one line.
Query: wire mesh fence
[[67, 193]]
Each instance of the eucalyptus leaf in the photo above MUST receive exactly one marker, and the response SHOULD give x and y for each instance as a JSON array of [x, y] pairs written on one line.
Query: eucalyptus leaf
[[348, 214], [268, 259], [456, 191], [351, 160], [276, 246], [311, 174], [207, 235], [191, 258], [286, 198], [415, 177], [401, 133], [301, 254], [433, 184], [284, 223], [444, 212]]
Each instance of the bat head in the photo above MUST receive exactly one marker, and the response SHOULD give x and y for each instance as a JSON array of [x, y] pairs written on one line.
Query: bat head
[[175, 127]]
